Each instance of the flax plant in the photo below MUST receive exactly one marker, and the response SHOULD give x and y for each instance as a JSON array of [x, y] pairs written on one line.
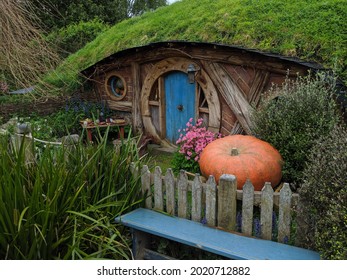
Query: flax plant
[[63, 205]]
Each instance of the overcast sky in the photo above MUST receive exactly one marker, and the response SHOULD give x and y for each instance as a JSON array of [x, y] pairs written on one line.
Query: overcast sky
[[171, 1]]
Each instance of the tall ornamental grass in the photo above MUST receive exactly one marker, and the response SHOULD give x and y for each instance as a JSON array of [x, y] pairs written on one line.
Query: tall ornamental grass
[[63, 205]]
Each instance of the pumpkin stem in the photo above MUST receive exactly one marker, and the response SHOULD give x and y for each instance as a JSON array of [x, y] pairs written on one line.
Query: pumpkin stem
[[234, 152]]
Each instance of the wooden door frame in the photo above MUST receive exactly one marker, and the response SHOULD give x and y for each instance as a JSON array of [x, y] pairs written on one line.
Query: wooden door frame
[[204, 81]]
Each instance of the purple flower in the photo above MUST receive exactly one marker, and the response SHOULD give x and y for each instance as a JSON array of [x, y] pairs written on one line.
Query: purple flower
[[239, 221], [285, 240], [257, 227]]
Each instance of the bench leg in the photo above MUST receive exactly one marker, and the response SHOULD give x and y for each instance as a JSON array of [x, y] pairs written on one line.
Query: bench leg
[[140, 243]]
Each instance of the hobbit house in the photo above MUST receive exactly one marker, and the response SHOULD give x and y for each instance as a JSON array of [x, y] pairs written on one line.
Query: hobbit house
[[160, 86]]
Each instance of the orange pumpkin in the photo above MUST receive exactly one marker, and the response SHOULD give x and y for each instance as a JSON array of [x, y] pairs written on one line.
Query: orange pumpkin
[[244, 156]]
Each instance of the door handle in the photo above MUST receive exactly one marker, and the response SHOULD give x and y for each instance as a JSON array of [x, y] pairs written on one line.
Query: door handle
[[180, 107]]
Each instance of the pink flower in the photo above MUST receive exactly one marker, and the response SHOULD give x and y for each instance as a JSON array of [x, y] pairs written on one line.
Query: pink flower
[[196, 138]]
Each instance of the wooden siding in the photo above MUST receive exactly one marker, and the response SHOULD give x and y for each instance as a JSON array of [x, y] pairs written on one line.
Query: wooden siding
[[233, 80]]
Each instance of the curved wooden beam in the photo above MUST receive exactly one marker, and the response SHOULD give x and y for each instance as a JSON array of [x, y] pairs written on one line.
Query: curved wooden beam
[[179, 64], [232, 95]]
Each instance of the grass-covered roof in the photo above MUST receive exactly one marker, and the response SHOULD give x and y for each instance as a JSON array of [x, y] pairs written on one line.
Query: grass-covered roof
[[311, 30]]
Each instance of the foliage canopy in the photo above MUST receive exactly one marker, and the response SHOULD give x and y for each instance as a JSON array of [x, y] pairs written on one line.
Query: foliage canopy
[[324, 194], [302, 112], [56, 14]]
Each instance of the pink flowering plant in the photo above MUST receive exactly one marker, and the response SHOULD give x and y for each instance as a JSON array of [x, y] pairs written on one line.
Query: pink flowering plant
[[193, 139]]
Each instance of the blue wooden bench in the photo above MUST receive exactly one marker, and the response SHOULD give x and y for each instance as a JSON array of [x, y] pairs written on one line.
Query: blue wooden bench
[[145, 222]]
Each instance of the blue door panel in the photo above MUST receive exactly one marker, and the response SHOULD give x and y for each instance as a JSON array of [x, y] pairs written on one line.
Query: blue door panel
[[179, 103]]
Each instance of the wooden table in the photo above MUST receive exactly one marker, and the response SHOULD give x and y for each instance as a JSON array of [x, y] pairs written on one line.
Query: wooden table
[[90, 126]]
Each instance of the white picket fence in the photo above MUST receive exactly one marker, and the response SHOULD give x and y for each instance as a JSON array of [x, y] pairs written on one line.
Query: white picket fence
[[218, 206]]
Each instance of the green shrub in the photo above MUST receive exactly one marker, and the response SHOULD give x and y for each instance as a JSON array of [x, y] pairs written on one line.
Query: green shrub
[[75, 36], [324, 193], [63, 205], [302, 112], [179, 162], [66, 120]]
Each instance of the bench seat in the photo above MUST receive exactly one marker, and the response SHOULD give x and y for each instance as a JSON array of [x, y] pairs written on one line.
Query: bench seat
[[223, 243]]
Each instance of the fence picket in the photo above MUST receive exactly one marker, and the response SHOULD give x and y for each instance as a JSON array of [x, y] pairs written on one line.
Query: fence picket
[[211, 201], [133, 169], [227, 202], [146, 186], [158, 189], [247, 208], [302, 224], [196, 199], [266, 211], [182, 188], [206, 197], [284, 218], [169, 182]]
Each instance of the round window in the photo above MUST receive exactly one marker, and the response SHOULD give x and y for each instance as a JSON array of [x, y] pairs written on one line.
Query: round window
[[115, 86]]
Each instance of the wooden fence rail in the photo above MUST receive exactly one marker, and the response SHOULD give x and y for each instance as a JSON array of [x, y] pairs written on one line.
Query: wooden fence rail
[[253, 213]]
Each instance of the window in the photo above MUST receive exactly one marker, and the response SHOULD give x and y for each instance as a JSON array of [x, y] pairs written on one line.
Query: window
[[115, 87]]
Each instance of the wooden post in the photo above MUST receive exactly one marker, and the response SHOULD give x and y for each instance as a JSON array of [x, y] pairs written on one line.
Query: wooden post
[[231, 94], [182, 186], [302, 228], [22, 142], [169, 182], [284, 218], [136, 112], [266, 211], [146, 186], [134, 170], [140, 243], [196, 199], [227, 202], [158, 190], [211, 201], [247, 208]]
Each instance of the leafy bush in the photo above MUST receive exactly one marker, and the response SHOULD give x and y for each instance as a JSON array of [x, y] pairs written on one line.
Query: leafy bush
[[64, 121], [75, 36], [192, 141], [63, 205], [302, 112], [324, 194]]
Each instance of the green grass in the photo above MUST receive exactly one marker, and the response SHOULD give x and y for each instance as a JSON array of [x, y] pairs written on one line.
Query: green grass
[[161, 159], [311, 30]]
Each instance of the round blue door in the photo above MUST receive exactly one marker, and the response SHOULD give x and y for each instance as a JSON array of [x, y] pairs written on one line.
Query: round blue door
[[179, 103]]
